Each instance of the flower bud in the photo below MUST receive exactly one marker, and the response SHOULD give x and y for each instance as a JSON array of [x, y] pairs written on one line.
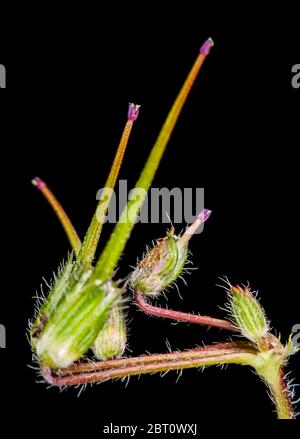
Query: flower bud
[[248, 314], [164, 263], [160, 267], [75, 324], [111, 340]]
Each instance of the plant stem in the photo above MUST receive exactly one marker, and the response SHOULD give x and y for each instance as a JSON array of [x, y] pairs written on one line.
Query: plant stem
[[273, 375], [224, 353], [283, 404], [116, 244], [147, 308], [236, 346]]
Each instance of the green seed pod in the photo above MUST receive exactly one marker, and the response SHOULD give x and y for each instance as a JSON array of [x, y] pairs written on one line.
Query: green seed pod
[[111, 340], [75, 324], [161, 266], [248, 314]]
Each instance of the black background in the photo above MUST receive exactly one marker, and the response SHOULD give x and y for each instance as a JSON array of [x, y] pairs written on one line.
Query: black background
[[69, 78]]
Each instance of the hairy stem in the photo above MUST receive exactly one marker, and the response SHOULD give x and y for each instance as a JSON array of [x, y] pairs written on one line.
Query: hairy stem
[[145, 306], [280, 394], [154, 358], [273, 375], [224, 353]]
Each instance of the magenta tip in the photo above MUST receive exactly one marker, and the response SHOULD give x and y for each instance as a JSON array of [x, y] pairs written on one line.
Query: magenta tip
[[204, 215], [133, 111], [40, 184], [206, 46]]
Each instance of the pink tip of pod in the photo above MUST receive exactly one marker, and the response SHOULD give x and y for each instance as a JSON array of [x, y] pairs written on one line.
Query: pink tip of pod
[[204, 215], [206, 46], [133, 111], [38, 182]]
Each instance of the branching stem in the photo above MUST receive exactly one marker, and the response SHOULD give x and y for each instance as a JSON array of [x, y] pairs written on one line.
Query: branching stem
[[223, 353], [145, 306]]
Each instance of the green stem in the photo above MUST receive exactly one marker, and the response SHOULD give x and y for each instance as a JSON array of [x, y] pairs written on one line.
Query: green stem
[[283, 404], [273, 375]]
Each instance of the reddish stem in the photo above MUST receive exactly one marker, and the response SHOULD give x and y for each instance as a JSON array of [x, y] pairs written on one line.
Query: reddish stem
[[145, 359], [105, 370], [181, 316]]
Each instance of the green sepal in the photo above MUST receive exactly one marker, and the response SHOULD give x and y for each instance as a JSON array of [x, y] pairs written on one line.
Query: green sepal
[[56, 293], [111, 340], [74, 326], [248, 314]]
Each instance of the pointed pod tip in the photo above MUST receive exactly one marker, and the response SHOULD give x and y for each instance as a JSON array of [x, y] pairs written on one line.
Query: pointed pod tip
[[238, 290], [206, 46], [133, 111], [38, 182], [204, 215]]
